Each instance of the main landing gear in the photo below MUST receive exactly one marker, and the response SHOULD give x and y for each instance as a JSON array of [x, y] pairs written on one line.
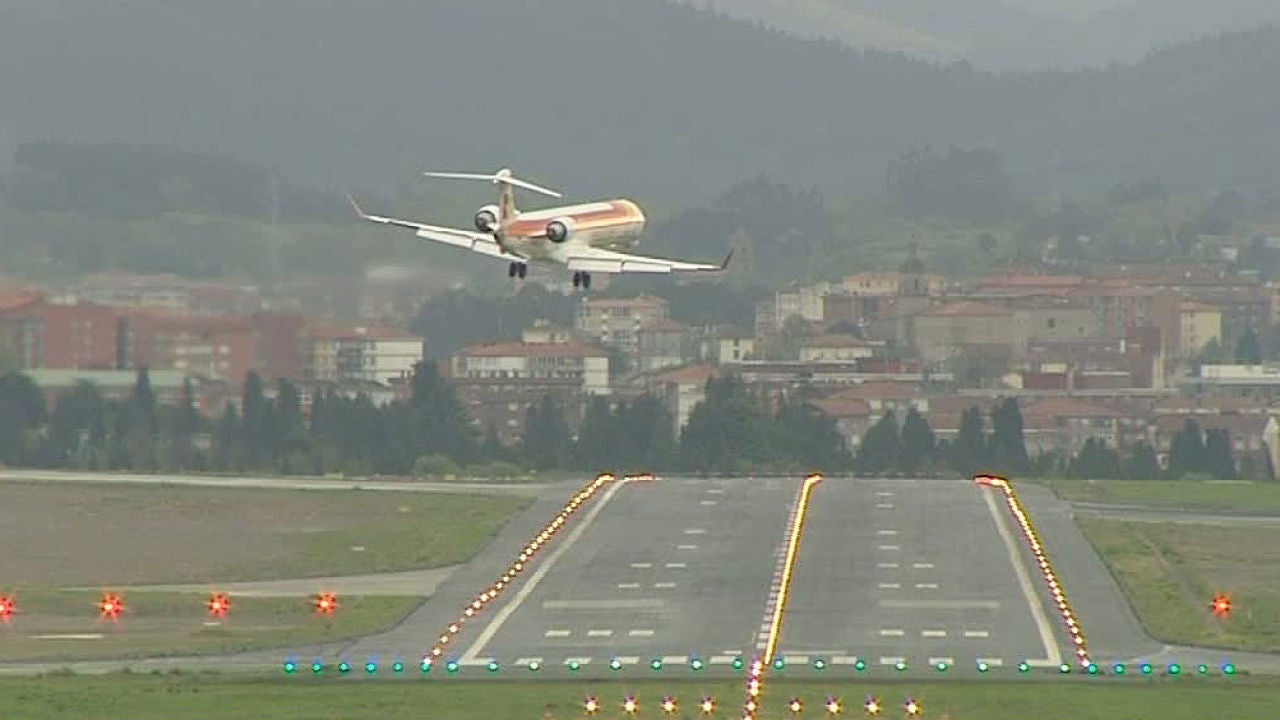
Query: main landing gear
[[517, 269], [582, 280]]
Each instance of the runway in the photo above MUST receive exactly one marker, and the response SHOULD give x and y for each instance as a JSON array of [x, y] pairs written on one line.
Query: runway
[[917, 571], [913, 571]]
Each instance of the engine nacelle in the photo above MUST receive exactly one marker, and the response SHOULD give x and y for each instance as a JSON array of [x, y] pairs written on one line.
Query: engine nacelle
[[560, 229], [487, 218]]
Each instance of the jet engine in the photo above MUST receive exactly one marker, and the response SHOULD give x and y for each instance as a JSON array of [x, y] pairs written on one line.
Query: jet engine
[[487, 218], [560, 229]]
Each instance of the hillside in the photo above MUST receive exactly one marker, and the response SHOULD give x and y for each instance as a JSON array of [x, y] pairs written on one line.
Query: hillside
[[1009, 34], [667, 103]]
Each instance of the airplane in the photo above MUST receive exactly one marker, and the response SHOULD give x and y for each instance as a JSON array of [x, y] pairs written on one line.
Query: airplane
[[585, 238]]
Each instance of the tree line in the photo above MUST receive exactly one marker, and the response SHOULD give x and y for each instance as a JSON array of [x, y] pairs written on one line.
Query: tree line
[[733, 429]]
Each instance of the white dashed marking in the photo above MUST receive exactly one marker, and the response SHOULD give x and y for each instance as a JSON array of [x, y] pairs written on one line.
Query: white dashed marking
[[886, 565], [628, 586], [556, 633], [888, 547], [976, 633], [675, 659], [884, 506], [883, 493], [922, 566], [708, 503], [579, 660], [686, 547], [676, 565], [891, 660], [664, 585], [695, 531], [640, 633], [641, 566], [629, 659], [599, 633], [933, 633], [947, 660], [528, 660], [886, 532], [889, 586], [716, 491], [926, 586], [993, 662], [892, 632]]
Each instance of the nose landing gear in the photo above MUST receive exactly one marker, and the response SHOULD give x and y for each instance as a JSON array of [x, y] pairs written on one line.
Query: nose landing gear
[[517, 269]]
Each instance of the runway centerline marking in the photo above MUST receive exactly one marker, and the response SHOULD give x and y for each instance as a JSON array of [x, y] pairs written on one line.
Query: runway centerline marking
[[708, 503], [695, 531], [686, 547], [676, 565], [628, 586], [641, 566], [664, 585], [976, 633], [640, 633], [599, 633], [940, 604], [892, 632], [506, 612], [886, 532], [884, 506], [556, 633], [922, 566], [889, 586], [926, 586], [886, 565], [933, 633], [1024, 581], [888, 547]]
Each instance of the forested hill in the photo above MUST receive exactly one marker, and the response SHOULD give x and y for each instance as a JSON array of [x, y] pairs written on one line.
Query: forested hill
[[665, 102]]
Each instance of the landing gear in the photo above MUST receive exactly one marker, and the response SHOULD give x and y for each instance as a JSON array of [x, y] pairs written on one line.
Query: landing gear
[[582, 280], [517, 269]]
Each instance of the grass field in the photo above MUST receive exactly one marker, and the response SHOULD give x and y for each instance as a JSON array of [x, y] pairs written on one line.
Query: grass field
[[78, 534], [211, 697], [1257, 497], [163, 624], [1170, 573]]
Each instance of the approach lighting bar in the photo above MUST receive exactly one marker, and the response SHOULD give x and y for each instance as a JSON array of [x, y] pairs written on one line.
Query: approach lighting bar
[[1032, 539], [508, 577], [7, 608]]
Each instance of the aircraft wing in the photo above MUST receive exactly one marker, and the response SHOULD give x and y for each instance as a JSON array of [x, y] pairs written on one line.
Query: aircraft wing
[[599, 260], [467, 239]]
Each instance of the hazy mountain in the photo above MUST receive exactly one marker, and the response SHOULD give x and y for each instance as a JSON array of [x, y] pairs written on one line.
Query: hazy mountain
[[667, 103], [1009, 34]]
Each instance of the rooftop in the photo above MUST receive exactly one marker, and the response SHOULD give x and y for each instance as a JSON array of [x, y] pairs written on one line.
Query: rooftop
[[523, 349]]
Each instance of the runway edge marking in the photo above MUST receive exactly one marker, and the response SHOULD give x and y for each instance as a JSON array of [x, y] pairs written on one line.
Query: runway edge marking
[[496, 624], [1051, 648]]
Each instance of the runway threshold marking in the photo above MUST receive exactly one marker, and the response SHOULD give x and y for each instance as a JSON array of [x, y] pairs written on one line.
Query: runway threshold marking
[[1024, 582], [496, 624]]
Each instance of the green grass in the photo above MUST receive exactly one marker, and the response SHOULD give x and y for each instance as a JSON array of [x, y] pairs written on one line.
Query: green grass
[[447, 530], [213, 697], [166, 624], [1261, 497], [1170, 573]]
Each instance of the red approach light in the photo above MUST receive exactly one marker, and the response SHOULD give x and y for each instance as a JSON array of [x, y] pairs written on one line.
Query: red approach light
[[110, 606], [219, 604], [1221, 605], [6, 608], [326, 603]]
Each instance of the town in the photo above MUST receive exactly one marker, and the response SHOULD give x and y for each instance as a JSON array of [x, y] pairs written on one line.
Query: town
[[1108, 371]]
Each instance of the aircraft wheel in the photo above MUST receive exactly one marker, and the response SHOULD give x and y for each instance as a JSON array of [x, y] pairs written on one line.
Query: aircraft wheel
[[511, 270], [523, 270], [577, 279], [586, 281]]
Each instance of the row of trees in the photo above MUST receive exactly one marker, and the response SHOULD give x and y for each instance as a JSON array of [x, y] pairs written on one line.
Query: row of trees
[[732, 430]]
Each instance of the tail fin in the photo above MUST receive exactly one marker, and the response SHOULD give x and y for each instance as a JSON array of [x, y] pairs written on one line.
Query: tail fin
[[506, 181]]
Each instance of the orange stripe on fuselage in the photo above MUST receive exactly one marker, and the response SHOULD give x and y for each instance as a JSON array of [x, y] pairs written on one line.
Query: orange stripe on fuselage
[[620, 213]]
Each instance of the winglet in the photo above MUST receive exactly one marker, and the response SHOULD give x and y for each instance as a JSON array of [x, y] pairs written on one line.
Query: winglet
[[355, 205], [725, 265]]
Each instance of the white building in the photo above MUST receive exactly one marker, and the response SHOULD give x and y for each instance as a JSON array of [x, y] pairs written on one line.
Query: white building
[[381, 355]]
